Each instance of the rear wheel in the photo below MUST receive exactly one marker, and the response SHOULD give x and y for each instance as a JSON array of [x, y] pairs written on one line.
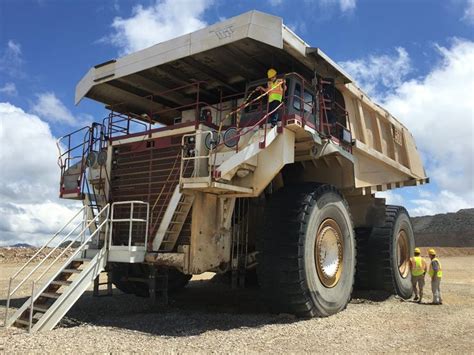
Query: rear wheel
[[391, 246], [306, 260]]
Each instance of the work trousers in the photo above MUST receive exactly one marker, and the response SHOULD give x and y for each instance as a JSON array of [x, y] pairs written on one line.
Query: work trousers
[[274, 117], [420, 282], [435, 283]]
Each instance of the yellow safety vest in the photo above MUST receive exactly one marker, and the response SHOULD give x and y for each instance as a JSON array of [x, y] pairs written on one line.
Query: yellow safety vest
[[418, 269], [276, 90], [439, 273]]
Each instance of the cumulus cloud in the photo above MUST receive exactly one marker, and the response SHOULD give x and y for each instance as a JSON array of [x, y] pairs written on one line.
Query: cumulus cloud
[[159, 22], [49, 107], [9, 89], [378, 73], [29, 179], [439, 110]]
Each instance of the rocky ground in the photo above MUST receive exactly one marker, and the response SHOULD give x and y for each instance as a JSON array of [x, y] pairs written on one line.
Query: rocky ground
[[209, 317]]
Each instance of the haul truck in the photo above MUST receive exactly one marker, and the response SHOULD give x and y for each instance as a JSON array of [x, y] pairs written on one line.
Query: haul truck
[[185, 175]]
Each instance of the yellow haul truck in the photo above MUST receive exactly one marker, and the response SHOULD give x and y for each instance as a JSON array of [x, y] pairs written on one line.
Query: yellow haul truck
[[186, 174]]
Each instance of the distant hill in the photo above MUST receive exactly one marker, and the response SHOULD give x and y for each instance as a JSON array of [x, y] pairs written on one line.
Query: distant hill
[[22, 245], [445, 230]]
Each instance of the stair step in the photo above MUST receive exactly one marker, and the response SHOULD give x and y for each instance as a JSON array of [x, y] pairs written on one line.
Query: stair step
[[71, 271], [50, 295], [82, 259], [40, 309], [61, 283], [22, 322]]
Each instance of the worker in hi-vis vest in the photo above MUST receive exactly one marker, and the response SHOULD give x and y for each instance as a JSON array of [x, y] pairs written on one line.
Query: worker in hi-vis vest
[[276, 92], [436, 272], [418, 272]]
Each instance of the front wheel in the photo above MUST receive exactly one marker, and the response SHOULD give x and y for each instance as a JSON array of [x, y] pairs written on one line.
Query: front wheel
[[306, 262]]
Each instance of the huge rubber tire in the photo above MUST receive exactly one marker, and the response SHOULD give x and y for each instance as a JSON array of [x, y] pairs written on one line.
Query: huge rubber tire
[[291, 267], [391, 245], [119, 274], [362, 276], [120, 271]]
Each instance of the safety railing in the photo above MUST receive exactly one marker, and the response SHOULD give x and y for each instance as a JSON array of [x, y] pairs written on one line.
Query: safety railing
[[178, 169], [130, 220], [73, 150], [194, 151], [100, 220]]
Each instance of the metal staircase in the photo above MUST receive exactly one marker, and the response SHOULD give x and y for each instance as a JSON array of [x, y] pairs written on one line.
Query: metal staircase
[[173, 220], [52, 297]]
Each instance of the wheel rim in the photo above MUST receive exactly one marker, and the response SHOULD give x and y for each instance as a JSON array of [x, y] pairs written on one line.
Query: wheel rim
[[403, 254], [329, 253]]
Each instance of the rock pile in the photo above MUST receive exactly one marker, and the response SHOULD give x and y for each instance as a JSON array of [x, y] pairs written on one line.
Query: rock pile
[[445, 230]]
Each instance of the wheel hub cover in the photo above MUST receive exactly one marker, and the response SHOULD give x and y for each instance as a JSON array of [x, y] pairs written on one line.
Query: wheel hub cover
[[403, 254], [329, 253]]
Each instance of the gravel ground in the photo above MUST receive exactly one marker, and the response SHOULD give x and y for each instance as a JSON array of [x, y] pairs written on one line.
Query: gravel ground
[[208, 317]]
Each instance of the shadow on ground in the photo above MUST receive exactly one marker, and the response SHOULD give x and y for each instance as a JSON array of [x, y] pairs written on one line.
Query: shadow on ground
[[201, 307]]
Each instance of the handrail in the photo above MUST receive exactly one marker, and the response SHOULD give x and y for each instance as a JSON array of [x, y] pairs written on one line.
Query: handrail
[[84, 229], [34, 296], [131, 220], [49, 241]]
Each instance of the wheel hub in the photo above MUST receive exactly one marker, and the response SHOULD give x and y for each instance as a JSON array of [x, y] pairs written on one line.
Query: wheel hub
[[403, 254], [329, 252]]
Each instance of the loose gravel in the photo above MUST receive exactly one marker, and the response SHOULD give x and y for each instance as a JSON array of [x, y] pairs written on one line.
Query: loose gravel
[[208, 317]]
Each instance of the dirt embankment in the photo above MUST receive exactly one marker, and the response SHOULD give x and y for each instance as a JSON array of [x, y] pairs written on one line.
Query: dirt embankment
[[445, 230]]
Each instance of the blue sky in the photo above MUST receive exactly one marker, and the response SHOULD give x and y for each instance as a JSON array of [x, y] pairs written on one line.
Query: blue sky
[[393, 48]]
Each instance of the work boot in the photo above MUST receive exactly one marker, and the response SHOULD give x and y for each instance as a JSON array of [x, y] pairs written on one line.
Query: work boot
[[416, 298]]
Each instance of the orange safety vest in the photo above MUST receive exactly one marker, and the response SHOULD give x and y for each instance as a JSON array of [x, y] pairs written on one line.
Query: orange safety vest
[[439, 273], [276, 90], [417, 266]]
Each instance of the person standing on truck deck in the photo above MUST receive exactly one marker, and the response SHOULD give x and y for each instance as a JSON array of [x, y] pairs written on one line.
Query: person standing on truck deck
[[435, 273], [418, 272], [276, 90]]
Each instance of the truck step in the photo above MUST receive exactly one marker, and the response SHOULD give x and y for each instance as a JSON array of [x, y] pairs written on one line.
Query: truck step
[[61, 283], [50, 295], [40, 309], [71, 271]]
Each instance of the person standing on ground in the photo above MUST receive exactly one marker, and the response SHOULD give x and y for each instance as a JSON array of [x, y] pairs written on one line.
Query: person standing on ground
[[435, 273], [418, 271], [276, 90]]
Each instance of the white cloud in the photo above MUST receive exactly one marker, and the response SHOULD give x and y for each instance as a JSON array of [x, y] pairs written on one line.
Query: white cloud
[[439, 111], [391, 198], [378, 73], [11, 60], [52, 109], [29, 179], [469, 12], [444, 201], [347, 5], [344, 5], [157, 23], [9, 89]]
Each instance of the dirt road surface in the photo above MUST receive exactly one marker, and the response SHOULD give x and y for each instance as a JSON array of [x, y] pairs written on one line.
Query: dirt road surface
[[209, 317]]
